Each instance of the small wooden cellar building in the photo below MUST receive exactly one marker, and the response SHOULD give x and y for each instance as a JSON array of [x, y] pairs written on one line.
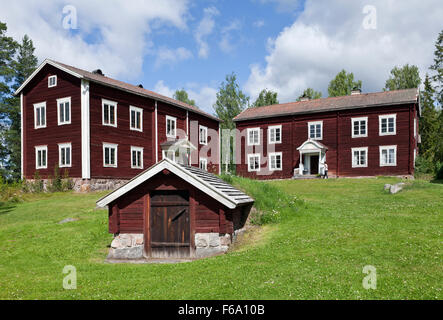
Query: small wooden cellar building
[[174, 211]]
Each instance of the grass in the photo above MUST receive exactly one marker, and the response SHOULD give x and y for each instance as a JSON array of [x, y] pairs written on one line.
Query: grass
[[310, 249]]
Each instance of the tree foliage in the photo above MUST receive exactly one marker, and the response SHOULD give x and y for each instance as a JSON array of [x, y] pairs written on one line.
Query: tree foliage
[[428, 123], [266, 98], [311, 94], [343, 84], [437, 67], [405, 77], [182, 95]]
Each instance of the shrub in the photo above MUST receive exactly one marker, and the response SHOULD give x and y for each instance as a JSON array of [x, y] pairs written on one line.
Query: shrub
[[67, 183], [55, 184], [424, 165], [439, 171], [37, 185]]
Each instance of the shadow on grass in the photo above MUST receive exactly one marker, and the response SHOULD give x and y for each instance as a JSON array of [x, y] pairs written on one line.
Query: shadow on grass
[[6, 207], [437, 181]]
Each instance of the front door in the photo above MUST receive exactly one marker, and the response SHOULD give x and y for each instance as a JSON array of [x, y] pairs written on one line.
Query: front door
[[314, 164], [170, 224]]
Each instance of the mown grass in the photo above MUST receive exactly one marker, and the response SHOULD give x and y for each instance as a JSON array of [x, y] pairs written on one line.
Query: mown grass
[[315, 249]]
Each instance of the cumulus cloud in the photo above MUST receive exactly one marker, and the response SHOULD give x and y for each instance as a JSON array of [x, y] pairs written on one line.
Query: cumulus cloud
[[204, 29], [113, 37], [259, 23], [167, 56], [328, 37], [226, 44]]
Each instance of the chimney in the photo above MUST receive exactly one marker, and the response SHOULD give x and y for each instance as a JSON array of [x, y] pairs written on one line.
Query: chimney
[[140, 86], [355, 91], [98, 71]]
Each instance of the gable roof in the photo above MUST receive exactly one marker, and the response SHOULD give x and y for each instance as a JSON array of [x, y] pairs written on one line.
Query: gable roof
[[363, 100], [109, 82], [204, 181]]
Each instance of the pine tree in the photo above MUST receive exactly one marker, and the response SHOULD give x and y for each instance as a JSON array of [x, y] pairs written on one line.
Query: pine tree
[[428, 123], [437, 67]]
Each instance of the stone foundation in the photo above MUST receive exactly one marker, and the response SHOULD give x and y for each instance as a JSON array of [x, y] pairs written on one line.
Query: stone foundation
[[127, 247], [210, 244], [81, 185]]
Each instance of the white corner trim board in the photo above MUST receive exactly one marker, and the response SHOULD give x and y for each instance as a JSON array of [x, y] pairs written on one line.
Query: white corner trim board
[[85, 130], [21, 136]]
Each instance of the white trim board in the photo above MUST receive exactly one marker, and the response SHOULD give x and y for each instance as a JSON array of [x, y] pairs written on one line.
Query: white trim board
[[85, 130]]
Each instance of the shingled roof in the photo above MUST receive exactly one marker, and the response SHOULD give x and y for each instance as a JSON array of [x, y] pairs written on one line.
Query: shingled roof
[[106, 81], [364, 100], [208, 183]]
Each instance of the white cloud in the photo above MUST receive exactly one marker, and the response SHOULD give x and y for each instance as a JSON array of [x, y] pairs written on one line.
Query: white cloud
[[204, 29], [328, 37], [113, 37], [203, 95], [166, 56], [259, 23], [226, 44], [284, 5]]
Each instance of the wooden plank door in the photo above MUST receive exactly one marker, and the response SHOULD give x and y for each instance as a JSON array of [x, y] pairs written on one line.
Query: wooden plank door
[[170, 224]]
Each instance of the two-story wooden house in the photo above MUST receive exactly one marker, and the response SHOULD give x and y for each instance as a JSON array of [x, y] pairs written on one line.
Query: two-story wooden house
[[358, 135], [103, 130]]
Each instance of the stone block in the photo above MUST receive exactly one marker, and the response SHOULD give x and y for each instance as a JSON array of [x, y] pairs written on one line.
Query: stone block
[[126, 253], [214, 240], [201, 240]]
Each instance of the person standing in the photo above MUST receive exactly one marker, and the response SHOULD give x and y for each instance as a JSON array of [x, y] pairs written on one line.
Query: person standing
[[326, 171]]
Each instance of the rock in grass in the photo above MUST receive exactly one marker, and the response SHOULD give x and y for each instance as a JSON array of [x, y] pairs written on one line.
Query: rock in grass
[[67, 220], [396, 188], [387, 186]]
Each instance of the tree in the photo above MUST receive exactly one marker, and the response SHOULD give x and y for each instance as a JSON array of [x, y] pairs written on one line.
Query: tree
[[182, 95], [310, 93], [405, 77], [266, 98], [437, 67], [343, 84], [429, 125]]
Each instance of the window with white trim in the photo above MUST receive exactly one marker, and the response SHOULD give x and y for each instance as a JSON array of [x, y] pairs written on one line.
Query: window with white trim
[[275, 161], [64, 111], [359, 127], [41, 157], [136, 118], [203, 134], [253, 162], [253, 136], [52, 81], [40, 115], [110, 155], [387, 124], [203, 164], [315, 131], [109, 111], [136, 157], [64, 155], [274, 134], [360, 157], [171, 127], [388, 156]]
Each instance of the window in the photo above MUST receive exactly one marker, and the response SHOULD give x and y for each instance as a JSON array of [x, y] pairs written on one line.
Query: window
[[360, 157], [64, 111], [387, 124], [275, 161], [203, 132], [315, 130], [359, 127], [110, 155], [274, 134], [204, 164], [136, 118], [136, 158], [171, 126], [64, 155], [52, 81], [388, 156], [109, 113], [40, 115], [253, 162], [41, 157], [253, 136]]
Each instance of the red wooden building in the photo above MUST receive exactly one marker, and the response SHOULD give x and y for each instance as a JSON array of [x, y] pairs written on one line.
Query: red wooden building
[[174, 211], [103, 130], [358, 135]]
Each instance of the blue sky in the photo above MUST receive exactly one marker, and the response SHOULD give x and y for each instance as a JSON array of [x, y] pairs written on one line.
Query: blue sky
[[282, 45]]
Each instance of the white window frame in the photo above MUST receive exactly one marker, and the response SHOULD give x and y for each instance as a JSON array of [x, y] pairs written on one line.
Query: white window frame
[[252, 143], [64, 146], [136, 149], [359, 135], [166, 152], [203, 164], [49, 81], [315, 123], [174, 120], [136, 110], [354, 164], [387, 116], [275, 154], [37, 149], [205, 136], [381, 148], [38, 106], [111, 146], [110, 103], [253, 155], [59, 101], [270, 128]]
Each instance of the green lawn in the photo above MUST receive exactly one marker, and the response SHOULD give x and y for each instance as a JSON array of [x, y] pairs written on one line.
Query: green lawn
[[315, 250]]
